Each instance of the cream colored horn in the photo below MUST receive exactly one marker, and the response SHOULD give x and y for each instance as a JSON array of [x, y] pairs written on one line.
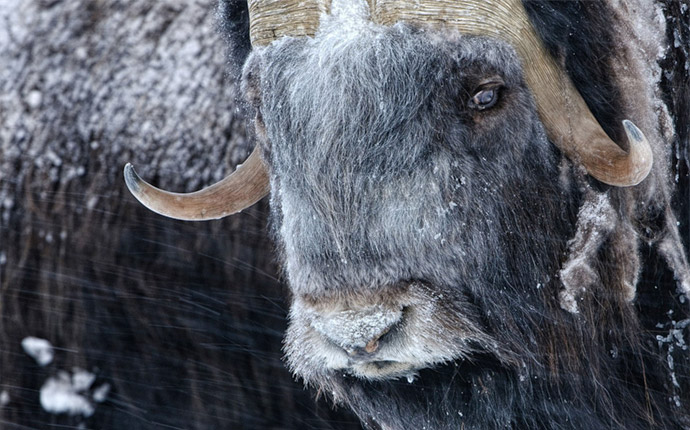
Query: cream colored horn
[[569, 123], [247, 185]]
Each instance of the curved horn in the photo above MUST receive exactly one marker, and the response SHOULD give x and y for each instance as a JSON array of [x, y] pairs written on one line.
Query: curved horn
[[269, 20], [569, 123], [247, 185]]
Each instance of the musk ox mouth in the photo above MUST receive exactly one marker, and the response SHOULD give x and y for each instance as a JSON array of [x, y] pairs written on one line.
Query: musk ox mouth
[[381, 336], [384, 369]]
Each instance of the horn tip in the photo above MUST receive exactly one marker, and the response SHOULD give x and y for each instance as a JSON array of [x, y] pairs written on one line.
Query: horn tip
[[632, 131], [132, 179], [639, 146]]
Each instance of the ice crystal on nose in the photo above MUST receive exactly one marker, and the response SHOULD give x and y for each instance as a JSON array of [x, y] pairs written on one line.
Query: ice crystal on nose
[[355, 328]]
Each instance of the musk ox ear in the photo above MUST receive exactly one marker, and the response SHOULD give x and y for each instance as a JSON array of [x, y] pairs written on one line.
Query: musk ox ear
[[251, 79], [252, 92]]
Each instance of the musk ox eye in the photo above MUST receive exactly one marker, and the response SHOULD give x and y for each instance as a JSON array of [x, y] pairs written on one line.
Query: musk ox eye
[[485, 96]]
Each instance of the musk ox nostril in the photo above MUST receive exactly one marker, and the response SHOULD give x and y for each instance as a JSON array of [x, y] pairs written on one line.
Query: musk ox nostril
[[357, 331], [370, 348], [373, 345]]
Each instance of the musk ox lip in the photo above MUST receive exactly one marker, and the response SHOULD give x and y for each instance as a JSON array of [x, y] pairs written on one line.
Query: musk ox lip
[[383, 370]]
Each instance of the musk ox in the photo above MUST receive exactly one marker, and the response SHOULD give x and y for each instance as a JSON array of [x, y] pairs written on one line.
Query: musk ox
[[472, 227]]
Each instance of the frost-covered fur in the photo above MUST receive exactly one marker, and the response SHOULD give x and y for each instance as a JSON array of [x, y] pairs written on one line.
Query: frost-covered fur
[[389, 190], [182, 320]]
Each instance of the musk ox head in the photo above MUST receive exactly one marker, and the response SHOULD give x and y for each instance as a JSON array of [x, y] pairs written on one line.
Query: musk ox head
[[430, 203], [399, 162]]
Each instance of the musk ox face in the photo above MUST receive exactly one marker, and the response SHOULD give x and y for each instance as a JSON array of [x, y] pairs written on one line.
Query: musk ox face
[[411, 188]]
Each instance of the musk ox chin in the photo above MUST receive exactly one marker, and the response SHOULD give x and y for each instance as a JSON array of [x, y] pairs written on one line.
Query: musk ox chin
[[455, 253]]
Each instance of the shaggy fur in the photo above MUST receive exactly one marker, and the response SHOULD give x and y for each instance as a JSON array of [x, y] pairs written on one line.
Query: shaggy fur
[[517, 276], [183, 321]]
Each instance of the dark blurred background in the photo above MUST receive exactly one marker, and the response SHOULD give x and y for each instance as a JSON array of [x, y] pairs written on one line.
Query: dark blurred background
[[154, 323]]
